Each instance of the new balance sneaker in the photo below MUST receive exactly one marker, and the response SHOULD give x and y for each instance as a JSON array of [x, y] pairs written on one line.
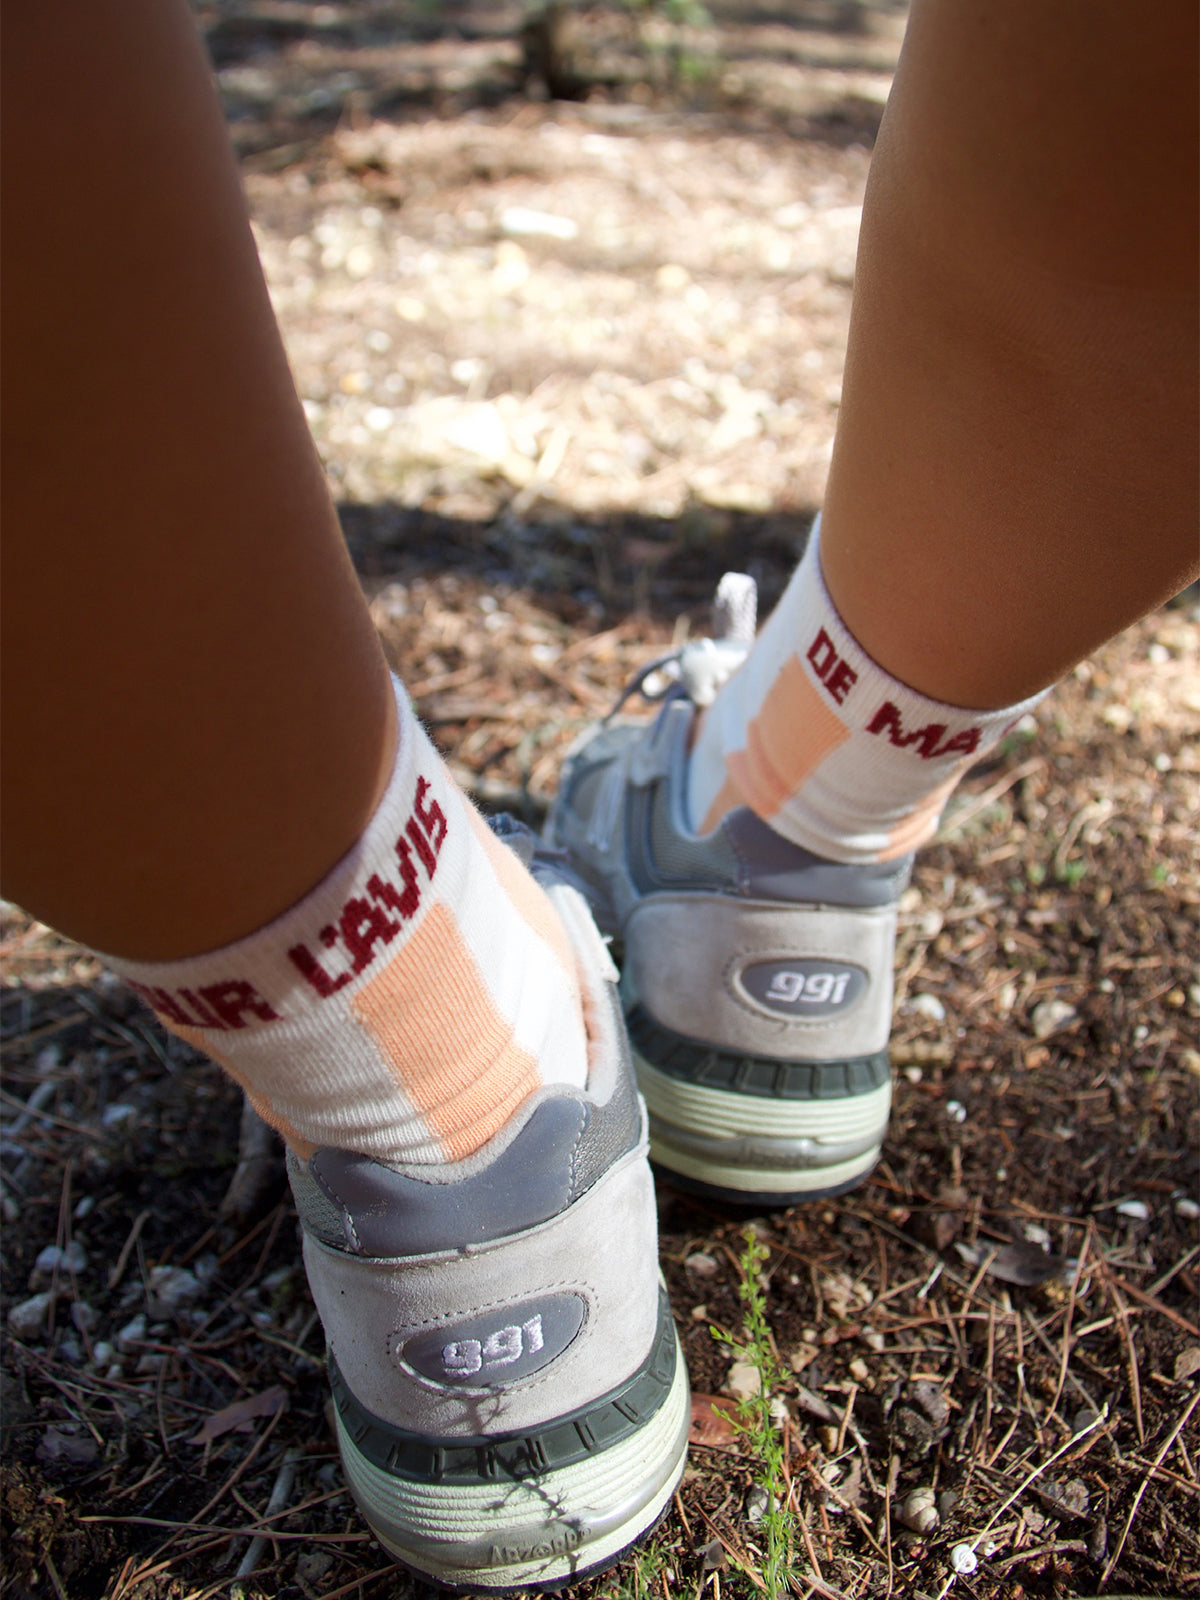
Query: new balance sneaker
[[512, 1405], [756, 977]]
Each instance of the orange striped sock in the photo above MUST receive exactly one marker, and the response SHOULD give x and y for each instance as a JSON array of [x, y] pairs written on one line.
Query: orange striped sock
[[410, 1002], [824, 745]]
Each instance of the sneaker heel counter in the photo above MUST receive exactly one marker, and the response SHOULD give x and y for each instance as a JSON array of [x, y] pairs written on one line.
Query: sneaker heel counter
[[768, 979]]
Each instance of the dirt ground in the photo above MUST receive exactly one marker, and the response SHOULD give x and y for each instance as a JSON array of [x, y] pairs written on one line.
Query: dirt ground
[[566, 363]]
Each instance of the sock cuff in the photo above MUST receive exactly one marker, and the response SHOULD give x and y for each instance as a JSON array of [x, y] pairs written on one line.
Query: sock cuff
[[335, 935], [865, 695]]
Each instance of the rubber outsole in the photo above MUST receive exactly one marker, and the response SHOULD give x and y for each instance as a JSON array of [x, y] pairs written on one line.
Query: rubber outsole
[[534, 1532], [553, 1585], [750, 1150], [748, 1199]]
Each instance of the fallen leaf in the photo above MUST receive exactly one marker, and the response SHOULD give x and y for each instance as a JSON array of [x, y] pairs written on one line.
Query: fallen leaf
[[1025, 1264], [812, 1405], [712, 1422], [76, 1450], [712, 1557], [240, 1414], [946, 1225], [849, 1491], [1068, 1499]]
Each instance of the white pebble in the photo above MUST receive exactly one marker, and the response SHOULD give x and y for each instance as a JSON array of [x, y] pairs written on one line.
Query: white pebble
[[134, 1332], [28, 1319], [744, 1381], [171, 1287], [206, 1267], [702, 1264], [74, 1258], [1187, 1208], [1137, 1209], [963, 1559], [956, 1111], [102, 1352], [1051, 1015], [522, 220], [928, 1005], [118, 1113], [379, 419]]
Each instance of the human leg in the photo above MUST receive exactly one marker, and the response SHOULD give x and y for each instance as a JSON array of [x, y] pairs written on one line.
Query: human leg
[[209, 776], [1013, 479], [1015, 473]]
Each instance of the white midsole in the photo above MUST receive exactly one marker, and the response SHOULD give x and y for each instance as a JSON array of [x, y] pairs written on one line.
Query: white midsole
[[718, 1113], [751, 1179], [529, 1530]]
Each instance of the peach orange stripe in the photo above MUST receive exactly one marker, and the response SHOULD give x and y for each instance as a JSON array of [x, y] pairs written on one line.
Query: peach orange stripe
[[793, 731], [198, 1039], [787, 739], [527, 895], [921, 822], [435, 1024]]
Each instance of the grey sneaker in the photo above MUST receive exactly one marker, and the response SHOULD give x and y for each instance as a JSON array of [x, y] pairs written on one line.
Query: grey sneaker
[[756, 977], [512, 1406]]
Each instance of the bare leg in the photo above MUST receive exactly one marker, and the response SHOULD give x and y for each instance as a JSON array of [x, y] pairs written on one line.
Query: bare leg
[[204, 781], [197, 716], [1015, 472]]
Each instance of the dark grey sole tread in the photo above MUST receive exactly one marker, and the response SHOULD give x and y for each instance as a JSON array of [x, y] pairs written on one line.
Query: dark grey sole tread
[[692, 1061]]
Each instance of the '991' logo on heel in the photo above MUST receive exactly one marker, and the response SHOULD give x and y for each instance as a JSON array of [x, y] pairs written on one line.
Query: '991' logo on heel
[[499, 1347], [804, 988]]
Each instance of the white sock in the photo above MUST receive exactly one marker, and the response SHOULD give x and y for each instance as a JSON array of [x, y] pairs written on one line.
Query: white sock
[[410, 1002], [822, 743]]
